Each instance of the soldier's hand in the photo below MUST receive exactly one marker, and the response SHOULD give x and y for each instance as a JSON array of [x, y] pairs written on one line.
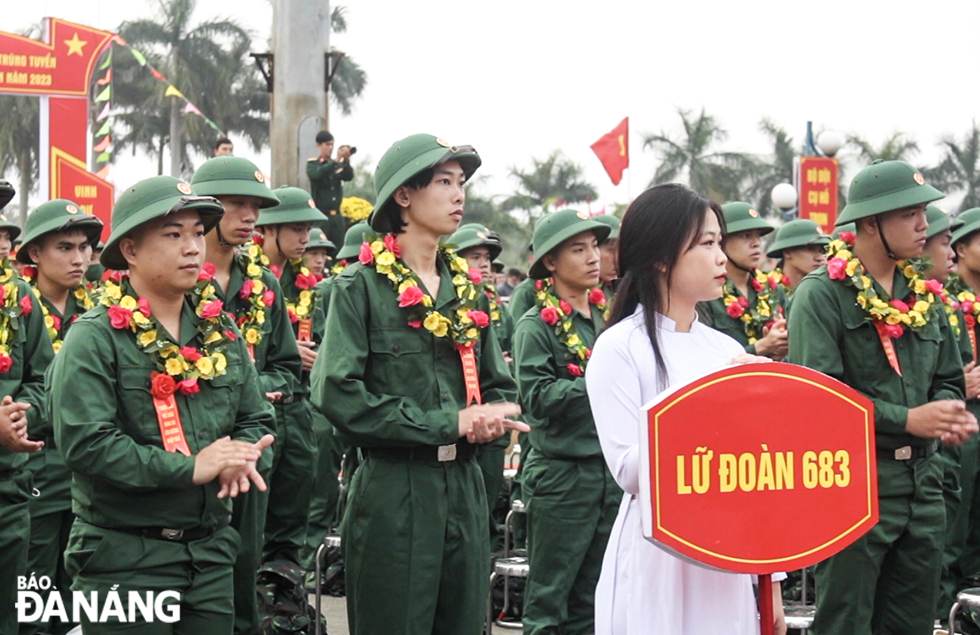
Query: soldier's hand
[[221, 455], [948, 420], [343, 152], [775, 341], [972, 375], [307, 354], [747, 358], [484, 423], [13, 427], [273, 397], [238, 480]]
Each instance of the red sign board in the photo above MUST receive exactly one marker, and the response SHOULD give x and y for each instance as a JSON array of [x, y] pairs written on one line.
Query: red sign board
[[818, 191], [70, 179], [61, 65], [759, 468]]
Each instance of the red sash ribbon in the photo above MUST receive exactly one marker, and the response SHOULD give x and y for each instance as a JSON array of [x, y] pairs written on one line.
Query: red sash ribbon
[[305, 332], [251, 352], [171, 430], [470, 375], [970, 322], [886, 344]]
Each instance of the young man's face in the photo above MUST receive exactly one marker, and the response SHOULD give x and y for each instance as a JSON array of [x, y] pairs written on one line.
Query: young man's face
[[62, 258], [576, 261], [968, 254], [94, 260], [238, 222], [479, 259], [745, 248], [609, 260], [806, 259], [167, 253], [5, 243], [325, 148], [438, 207], [291, 238], [905, 230], [940, 255], [224, 149], [316, 260]]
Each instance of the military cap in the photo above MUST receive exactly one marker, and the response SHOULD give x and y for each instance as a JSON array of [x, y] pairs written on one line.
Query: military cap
[[557, 227], [295, 206], [612, 221], [476, 235], [969, 223], [741, 217], [319, 240], [884, 186], [232, 176], [797, 233], [55, 216], [353, 240], [939, 221]]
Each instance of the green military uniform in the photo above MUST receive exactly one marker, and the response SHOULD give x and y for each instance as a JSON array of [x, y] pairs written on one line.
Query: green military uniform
[[740, 217], [51, 514], [801, 232], [609, 287], [415, 529], [325, 501], [93, 274], [326, 185], [319, 240], [572, 499], [142, 525], [888, 580], [268, 530]]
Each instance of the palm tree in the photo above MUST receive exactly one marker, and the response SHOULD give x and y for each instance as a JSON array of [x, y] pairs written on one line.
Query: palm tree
[[554, 180], [349, 80], [959, 169], [19, 143], [693, 158], [778, 168], [897, 147]]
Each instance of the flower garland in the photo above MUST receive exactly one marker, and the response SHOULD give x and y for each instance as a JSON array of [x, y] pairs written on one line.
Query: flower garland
[[892, 317], [255, 292], [52, 322], [965, 298], [339, 267], [558, 313], [12, 306], [755, 318], [355, 209], [181, 368], [305, 282], [494, 299], [462, 324]]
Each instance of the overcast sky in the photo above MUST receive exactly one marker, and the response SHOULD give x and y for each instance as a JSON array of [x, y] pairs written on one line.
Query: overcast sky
[[520, 78]]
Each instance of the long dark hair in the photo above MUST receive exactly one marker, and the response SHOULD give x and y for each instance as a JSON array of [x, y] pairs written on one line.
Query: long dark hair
[[659, 226]]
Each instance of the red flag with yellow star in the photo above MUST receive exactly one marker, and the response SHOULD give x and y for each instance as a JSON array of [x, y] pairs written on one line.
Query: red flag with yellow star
[[613, 150]]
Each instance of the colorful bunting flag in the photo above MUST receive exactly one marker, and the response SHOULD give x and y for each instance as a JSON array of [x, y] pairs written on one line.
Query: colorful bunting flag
[[189, 107], [102, 158], [105, 80], [158, 75], [108, 61], [139, 56], [173, 92], [104, 113], [105, 94], [103, 145]]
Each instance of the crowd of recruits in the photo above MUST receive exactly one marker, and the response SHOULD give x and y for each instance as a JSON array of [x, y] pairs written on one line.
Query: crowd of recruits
[[416, 531]]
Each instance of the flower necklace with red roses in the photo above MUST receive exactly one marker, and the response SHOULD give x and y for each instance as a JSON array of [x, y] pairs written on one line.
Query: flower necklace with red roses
[[558, 313], [13, 306], [960, 294], [253, 290], [301, 306], [754, 318], [180, 368], [52, 322]]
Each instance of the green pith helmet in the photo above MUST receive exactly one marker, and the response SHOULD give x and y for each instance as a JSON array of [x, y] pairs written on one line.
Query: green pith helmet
[[12, 229], [797, 233], [741, 217], [498, 265], [409, 156], [295, 206], [319, 240], [476, 235], [846, 227], [6, 193], [353, 240], [969, 223], [151, 199], [939, 220], [55, 216], [884, 186], [557, 227], [612, 221], [232, 176]]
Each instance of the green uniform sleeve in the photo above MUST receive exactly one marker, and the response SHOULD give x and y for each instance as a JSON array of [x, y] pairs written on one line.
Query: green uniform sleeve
[[282, 365], [546, 390], [83, 399], [496, 382], [347, 171], [255, 417], [38, 356]]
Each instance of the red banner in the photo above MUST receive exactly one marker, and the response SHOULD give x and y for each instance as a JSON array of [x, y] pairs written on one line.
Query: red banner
[[61, 65], [741, 478], [70, 179], [613, 150], [818, 191]]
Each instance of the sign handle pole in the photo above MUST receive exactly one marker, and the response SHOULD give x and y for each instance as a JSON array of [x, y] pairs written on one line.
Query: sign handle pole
[[765, 604]]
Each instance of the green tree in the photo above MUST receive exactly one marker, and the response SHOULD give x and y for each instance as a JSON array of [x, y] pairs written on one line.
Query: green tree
[[896, 147], [349, 79], [19, 141], [362, 185], [554, 180], [693, 158], [959, 169], [774, 169]]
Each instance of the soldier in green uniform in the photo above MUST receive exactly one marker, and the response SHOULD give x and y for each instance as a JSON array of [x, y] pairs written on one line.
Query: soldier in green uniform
[[156, 412], [58, 241], [800, 246], [418, 352], [571, 497], [251, 292], [326, 183], [24, 356], [319, 251], [904, 357], [94, 271], [748, 309], [8, 230], [609, 255]]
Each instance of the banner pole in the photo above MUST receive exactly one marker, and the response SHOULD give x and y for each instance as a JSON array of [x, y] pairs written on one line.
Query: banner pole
[[765, 604]]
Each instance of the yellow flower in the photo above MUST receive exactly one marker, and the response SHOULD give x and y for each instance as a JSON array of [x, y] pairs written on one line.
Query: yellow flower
[[147, 337], [264, 260], [746, 318], [48, 321], [954, 320], [566, 325], [459, 280], [253, 271], [214, 337], [573, 340], [128, 302], [377, 247], [865, 282], [260, 317], [472, 333], [407, 284], [80, 293], [173, 366], [56, 346], [845, 254], [426, 300], [113, 291], [752, 340], [494, 315], [878, 303], [863, 301], [253, 251], [252, 336], [729, 299], [204, 366], [257, 287], [920, 306], [909, 271], [139, 318], [208, 291], [436, 324], [220, 362], [764, 310], [386, 259], [893, 318], [851, 267], [302, 311]]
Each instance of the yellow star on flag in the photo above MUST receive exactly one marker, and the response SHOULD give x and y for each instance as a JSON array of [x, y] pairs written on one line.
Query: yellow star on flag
[[75, 45]]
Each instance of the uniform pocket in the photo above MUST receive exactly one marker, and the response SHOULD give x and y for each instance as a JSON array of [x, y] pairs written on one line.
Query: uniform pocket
[[396, 360], [135, 405]]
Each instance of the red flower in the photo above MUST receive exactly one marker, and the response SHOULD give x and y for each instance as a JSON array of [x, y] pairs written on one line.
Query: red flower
[[756, 284], [119, 317], [292, 315], [305, 281], [743, 302], [275, 270], [967, 306], [391, 244], [3, 293], [190, 354], [565, 307], [56, 322], [596, 296], [847, 237], [934, 286], [366, 256], [836, 268], [575, 370], [735, 310], [188, 387], [231, 335], [6, 361], [901, 306], [476, 276], [970, 320], [772, 282], [258, 239], [246, 289], [480, 318], [550, 315], [26, 305], [894, 331], [207, 271], [410, 297], [162, 385], [415, 324], [144, 306], [28, 272], [212, 309], [538, 284], [268, 297]]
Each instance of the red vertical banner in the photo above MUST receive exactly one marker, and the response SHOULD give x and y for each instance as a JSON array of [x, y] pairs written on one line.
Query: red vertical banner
[[818, 191], [70, 179]]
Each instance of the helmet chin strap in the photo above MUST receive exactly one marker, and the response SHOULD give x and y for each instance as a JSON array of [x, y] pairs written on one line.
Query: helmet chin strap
[[884, 242], [738, 266], [221, 237]]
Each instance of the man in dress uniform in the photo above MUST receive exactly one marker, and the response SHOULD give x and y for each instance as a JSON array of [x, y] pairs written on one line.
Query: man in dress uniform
[[326, 183], [406, 388], [571, 497], [907, 362], [58, 240], [251, 292], [157, 414]]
